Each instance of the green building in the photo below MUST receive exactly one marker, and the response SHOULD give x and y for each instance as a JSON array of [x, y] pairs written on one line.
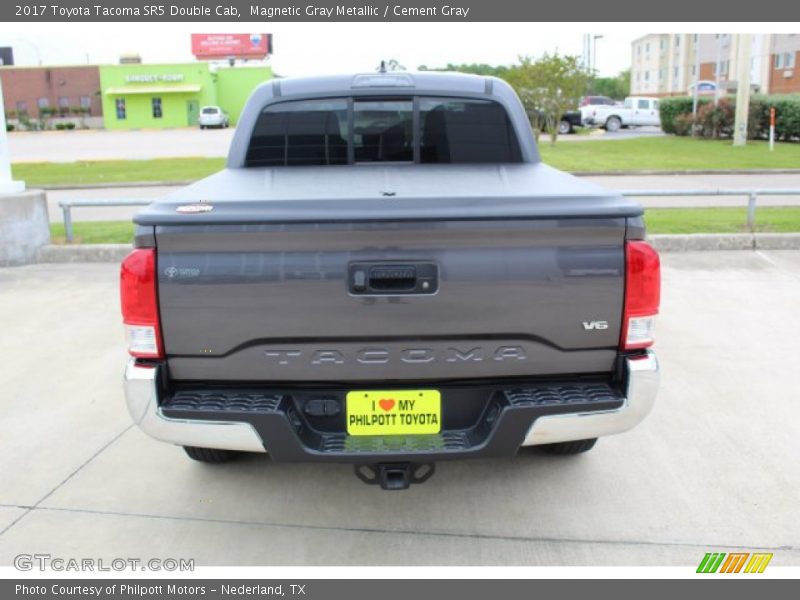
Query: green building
[[140, 96]]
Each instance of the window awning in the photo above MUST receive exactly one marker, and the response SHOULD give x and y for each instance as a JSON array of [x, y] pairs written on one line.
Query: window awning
[[186, 88]]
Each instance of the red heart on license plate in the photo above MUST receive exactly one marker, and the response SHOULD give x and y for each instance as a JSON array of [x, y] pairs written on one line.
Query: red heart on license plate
[[386, 405]]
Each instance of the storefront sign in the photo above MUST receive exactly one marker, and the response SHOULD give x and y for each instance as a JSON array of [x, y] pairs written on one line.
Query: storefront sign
[[168, 77]]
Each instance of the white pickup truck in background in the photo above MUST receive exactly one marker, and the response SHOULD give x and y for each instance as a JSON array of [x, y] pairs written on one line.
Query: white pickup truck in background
[[636, 111]]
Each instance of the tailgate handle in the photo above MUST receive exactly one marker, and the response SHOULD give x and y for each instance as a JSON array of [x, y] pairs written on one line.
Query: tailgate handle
[[394, 277]]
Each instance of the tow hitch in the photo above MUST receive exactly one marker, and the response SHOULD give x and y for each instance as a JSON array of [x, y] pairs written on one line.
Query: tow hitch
[[395, 476]]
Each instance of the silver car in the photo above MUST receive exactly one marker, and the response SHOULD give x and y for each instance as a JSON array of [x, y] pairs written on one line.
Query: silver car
[[213, 116]]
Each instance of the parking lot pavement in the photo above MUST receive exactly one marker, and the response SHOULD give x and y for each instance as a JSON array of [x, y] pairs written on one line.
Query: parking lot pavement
[[68, 146], [712, 468], [600, 134], [101, 144]]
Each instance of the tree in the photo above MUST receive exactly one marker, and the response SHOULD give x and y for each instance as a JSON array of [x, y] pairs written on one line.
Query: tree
[[548, 87], [475, 68], [391, 65], [528, 79], [614, 87]]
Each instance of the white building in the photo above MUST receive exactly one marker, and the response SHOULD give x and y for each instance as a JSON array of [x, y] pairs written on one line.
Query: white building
[[665, 64]]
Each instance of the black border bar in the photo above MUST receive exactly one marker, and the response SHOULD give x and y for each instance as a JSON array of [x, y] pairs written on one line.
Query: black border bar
[[455, 11]]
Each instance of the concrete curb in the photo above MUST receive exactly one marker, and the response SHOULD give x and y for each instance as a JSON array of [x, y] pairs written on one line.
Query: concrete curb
[[53, 253], [686, 172], [702, 242], [725, 241], [696, 242]]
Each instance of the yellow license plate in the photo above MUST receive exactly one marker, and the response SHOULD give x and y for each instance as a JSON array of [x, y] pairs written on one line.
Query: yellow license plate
[[398, 412]]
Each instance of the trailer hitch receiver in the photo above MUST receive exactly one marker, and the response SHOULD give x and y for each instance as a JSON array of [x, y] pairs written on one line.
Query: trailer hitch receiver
[[395, 476]]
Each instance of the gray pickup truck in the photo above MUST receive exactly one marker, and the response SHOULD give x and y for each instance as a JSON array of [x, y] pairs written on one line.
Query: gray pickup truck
[[386, 275]]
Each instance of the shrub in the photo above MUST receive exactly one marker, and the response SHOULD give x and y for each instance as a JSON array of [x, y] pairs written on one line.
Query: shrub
[[683, 124], [9, 127], [69, 126], [671, 108], [787, 116], [26, 123], [716, 121], [60, 126]]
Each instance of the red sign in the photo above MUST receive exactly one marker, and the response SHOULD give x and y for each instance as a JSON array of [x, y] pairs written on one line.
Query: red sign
[[227, 45]]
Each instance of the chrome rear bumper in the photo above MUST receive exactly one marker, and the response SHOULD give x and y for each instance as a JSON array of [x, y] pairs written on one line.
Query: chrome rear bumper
[[642, 376], [142, 395]]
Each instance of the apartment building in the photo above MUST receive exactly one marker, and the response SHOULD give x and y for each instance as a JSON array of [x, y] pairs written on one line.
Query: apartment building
[[665, 64]]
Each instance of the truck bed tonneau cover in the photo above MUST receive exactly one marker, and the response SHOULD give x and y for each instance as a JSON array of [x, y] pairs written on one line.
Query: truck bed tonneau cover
[[388, 192]]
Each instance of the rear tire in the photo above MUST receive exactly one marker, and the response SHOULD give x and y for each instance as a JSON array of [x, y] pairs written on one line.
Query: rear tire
[[564, 127], [613, 124], [210, 455], [566, 448]]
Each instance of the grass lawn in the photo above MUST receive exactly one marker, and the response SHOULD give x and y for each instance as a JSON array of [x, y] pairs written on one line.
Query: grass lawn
[[666, 154], [116, 171], [657, 153], [769, 219], [94, 232], [777, 219]]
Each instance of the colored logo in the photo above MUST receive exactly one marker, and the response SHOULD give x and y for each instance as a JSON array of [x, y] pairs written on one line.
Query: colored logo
[[735, 562]]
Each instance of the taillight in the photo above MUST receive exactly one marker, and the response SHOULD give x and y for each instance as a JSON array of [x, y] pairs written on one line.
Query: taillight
[[140, 304], [642, 295]]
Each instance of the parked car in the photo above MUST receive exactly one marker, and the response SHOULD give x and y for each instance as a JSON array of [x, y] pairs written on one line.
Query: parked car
[[598, 100], [213, 116], [387, 275], [569, 121], [636, 111]]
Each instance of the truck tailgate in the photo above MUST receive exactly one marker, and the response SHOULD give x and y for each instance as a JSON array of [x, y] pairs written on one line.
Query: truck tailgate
[[275, 301]]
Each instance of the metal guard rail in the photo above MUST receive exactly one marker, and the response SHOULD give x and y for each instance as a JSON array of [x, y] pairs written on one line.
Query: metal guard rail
[[752, 196]]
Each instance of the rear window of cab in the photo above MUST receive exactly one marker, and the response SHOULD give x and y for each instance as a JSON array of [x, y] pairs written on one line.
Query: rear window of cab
[[342, 131]]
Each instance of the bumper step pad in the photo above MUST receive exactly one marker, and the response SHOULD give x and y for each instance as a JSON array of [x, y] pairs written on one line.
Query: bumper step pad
[[561, 395], [198, 405], [499, 428]]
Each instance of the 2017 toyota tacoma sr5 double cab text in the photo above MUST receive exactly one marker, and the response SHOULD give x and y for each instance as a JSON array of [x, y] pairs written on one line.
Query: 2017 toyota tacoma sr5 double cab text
[[387, 275]]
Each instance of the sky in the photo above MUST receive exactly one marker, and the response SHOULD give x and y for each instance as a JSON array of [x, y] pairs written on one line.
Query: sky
[[320, 48]]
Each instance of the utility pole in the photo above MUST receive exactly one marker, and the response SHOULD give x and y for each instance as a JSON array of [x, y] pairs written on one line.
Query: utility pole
[[587, 51], [7, 185], [696, 91], [742, 90], [594, 51], [718, 69]]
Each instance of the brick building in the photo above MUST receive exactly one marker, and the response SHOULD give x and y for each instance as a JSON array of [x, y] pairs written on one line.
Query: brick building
[[784, 77], [665, 64], [62, 89]]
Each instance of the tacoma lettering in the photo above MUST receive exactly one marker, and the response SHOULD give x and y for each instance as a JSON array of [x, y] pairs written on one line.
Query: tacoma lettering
[[380, 356]]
